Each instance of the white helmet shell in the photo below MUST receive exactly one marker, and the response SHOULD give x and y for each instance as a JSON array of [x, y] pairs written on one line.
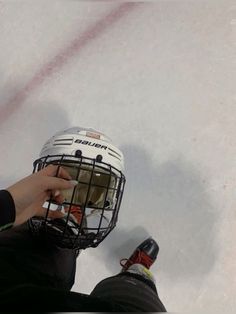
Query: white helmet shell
[[87, 141], [90, 210]]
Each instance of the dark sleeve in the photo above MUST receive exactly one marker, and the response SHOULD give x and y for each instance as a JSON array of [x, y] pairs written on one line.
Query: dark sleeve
[[7, 210]]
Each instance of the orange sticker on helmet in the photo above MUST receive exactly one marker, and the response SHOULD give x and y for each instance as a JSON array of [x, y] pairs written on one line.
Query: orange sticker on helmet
[[93, 135]]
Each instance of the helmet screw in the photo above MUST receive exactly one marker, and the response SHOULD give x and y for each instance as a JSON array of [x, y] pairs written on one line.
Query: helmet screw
[[99, 158], [78, 153]]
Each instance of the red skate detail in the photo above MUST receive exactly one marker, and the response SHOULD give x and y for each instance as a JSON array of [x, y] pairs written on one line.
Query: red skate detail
[[139, 257]]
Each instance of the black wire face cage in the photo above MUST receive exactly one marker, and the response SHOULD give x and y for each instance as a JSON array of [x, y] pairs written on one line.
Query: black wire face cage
[[90, 210]]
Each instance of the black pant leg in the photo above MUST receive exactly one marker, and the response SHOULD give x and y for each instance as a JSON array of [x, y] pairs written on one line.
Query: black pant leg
[[130, 291], [30, 298], [28, 260]]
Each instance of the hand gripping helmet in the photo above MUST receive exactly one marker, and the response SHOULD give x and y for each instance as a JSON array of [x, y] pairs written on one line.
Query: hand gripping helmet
[[90, 210]]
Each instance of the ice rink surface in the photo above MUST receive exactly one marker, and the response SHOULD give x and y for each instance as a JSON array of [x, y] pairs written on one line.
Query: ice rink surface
[[159, 79]]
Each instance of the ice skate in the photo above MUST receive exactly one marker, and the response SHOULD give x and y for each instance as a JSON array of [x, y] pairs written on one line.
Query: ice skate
[[142, 259], [145, 254]]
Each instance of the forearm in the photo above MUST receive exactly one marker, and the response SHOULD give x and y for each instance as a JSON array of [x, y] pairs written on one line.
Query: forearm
[[7, 210]]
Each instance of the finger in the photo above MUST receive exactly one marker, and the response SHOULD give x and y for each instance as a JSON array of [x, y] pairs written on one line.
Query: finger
[[57, 193], [43, 212], [54, 170], [62, 173], [36, 209], [54, 183], [55, 214], [59, 199]]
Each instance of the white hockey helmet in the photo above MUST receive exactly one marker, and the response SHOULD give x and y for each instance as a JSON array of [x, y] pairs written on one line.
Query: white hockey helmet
[[91, 209]]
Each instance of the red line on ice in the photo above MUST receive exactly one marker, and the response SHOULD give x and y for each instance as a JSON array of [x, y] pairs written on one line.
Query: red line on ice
[[57, 62]]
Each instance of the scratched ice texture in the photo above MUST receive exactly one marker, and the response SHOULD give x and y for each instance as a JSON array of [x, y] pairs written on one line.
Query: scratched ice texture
[[159, 78]]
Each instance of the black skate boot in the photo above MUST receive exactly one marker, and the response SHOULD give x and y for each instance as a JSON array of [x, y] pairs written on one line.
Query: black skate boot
[[145, 254]]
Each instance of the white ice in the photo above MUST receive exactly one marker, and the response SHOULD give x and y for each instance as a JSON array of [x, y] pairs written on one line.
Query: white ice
[[160, 81]]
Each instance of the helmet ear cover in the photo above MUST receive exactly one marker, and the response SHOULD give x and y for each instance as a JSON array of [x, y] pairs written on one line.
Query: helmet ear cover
[[90, 210]]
